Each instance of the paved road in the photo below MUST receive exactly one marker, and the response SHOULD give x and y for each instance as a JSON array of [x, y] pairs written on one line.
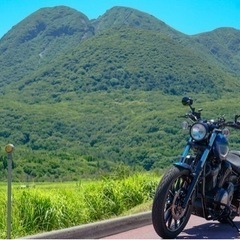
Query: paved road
[[197, 228]]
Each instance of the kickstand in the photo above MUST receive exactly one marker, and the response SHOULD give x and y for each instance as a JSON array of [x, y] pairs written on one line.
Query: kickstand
[[233, 224]]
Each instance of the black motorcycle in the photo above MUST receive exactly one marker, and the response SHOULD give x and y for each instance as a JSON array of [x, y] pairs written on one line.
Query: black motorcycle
[[204, 182]]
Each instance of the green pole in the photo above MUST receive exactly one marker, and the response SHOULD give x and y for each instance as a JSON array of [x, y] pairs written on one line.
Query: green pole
[[9, 149]]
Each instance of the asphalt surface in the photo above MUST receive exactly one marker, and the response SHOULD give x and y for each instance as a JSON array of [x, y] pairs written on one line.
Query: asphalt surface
[[99, 229], [139, 226], [197, 228]]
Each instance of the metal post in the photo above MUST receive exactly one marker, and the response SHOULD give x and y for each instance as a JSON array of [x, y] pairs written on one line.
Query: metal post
[[9, 149]]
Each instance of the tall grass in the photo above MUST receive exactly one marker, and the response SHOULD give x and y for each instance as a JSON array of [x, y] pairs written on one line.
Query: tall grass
[[39, 209]]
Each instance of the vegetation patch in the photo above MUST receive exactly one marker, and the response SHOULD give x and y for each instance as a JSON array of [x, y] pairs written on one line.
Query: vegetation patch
[[45, 207]]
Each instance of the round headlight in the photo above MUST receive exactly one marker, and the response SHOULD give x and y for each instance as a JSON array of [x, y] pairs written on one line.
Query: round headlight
[[199, 131]]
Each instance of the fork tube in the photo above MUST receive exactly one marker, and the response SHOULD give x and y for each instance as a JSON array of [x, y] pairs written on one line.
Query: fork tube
[[199, 169], [186, 150]]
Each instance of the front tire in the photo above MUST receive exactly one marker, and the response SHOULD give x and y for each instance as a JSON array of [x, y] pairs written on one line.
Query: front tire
[[168, 217]]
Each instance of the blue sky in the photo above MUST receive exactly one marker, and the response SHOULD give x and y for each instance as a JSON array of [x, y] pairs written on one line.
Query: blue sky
[[187, 16]]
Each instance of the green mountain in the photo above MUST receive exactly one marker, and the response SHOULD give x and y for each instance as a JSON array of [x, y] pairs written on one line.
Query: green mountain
[[40, 38], [118, 17], [223, 45], [80, 96]]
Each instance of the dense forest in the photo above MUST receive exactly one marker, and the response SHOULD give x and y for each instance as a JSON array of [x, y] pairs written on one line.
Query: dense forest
[[82, 97]]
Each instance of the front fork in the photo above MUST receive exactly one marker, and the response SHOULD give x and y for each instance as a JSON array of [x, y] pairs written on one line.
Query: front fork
[[199, 168]]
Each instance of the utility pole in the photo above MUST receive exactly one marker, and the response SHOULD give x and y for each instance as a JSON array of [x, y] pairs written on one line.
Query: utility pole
[[9, 149]]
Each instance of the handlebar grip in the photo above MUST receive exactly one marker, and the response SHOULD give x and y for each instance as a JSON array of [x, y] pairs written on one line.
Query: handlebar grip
[[234, 124], [183, 116], [237, 125]]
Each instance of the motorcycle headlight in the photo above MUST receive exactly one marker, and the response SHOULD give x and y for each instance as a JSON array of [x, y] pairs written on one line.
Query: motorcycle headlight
[[199, 131]]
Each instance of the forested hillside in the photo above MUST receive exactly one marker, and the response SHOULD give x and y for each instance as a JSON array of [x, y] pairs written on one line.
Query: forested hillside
[[79, 96]]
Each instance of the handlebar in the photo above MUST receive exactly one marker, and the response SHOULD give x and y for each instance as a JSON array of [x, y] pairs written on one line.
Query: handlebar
[[195, 116], [220, 123], [232, 124]]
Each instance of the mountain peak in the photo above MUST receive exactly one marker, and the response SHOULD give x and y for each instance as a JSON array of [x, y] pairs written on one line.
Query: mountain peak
[[51, 21], [119, 16]]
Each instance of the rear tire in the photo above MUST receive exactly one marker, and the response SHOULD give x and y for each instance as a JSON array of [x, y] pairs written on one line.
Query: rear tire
[[168, 217]]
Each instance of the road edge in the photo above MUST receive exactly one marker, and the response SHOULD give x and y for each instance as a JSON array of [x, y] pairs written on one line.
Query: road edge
[[99, 229]]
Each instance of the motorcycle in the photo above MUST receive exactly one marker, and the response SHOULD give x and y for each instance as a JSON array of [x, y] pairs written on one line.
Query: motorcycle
[[204, 182]]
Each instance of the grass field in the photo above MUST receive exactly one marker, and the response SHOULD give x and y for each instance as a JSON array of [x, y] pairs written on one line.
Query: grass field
[[41, 207]]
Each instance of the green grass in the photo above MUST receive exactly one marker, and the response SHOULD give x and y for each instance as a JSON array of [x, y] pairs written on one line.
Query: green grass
[[45, 207]]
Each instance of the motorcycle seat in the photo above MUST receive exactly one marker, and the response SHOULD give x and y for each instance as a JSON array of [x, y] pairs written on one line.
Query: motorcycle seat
[[233, 157], [235, 152]]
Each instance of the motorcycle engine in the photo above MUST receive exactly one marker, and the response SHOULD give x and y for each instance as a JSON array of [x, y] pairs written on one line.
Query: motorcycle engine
[[224, 196], [212, 173], [219, 188]]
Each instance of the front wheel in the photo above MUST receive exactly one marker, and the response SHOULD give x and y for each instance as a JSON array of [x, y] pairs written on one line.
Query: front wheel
[[168, 217]]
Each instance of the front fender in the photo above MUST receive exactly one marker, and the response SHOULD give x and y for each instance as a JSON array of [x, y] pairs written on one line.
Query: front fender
[[183, 165]]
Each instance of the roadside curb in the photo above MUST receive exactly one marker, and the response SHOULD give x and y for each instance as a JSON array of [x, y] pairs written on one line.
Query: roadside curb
[[99, 229]]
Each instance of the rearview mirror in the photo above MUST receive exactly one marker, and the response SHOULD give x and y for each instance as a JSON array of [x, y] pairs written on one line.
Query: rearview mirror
[[237, 119], [187, 101]]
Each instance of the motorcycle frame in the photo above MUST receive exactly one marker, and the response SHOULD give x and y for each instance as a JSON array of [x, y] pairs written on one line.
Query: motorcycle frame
[[200, 165]]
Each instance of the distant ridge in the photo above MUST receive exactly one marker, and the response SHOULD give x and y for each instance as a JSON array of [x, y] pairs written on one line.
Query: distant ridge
[[50, 33]]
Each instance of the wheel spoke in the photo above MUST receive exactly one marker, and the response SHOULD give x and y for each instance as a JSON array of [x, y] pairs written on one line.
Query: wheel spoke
[[178, 187], [168, 213], [169, 218], [177, 224], [169, 221], [171, 193]]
